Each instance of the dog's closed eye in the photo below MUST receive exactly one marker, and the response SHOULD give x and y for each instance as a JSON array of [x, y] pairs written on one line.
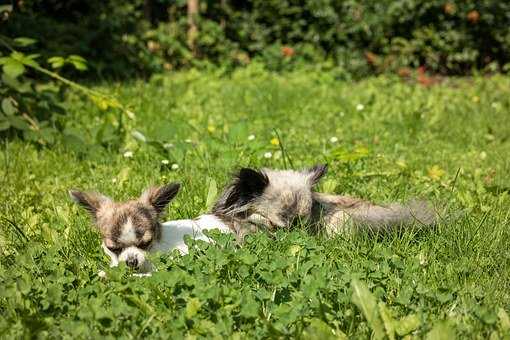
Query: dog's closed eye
[[144, 245], [115, 250]]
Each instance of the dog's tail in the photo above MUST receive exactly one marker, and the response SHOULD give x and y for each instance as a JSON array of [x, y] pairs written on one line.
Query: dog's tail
[[414, 213], [365, 214]]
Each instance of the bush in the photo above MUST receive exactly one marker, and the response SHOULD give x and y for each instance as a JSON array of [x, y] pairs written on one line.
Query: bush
[[362, 36], [31, 95]]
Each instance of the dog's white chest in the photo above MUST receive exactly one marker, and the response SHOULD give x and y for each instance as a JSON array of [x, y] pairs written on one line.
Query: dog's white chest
[[173, 232]]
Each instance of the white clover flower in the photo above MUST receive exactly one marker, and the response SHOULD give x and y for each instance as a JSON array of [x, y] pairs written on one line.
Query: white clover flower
[[168, 145], [188, 140], [165, 162], [483, 155], [101, 274], [128, 154], [342, 114], [251, 137], [333, 139], [360, 107], [268, 155], [175, 166], [114, 180]]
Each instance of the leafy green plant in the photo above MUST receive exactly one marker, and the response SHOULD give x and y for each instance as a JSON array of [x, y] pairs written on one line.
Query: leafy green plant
[[30, 107]]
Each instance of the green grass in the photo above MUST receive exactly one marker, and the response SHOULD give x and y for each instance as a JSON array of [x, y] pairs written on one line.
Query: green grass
[[448, 143]]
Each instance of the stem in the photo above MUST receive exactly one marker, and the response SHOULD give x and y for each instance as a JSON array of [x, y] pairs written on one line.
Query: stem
[[67, 81]]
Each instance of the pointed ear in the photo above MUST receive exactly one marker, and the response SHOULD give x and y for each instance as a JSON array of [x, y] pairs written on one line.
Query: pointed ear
[[247, 185], [251, 183], [91, 201], [316, 173], [159, 197]]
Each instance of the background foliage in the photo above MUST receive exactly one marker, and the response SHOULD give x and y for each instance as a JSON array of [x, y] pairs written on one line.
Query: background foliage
[[359, 36]]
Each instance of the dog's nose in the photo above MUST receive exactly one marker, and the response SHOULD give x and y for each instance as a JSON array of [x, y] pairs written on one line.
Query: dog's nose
[[132, 261]]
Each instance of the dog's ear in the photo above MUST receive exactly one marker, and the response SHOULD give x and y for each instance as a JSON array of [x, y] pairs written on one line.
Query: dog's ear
[[316, 173], [159, 197], [91, 201], [251, 183], [247, 185]]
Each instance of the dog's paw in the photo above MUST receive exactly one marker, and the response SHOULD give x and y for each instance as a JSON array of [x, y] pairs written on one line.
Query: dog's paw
[[142, 274]]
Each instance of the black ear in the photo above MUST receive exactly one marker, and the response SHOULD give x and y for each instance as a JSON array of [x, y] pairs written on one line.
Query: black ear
[[247, 185], [159, 197], [252, 183], [316, 173], [91, 201]]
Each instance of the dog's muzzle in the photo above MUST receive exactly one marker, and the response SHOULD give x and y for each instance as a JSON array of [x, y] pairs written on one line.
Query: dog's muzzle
[[133, 257], [132, 261]]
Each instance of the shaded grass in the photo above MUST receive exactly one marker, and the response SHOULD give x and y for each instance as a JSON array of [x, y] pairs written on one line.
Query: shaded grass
[[447, 143]]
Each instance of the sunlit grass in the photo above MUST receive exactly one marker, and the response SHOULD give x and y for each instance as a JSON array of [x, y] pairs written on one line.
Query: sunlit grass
[[383, 139]]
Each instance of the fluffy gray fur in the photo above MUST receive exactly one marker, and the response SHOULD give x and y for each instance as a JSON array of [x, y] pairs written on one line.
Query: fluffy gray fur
[[339, 214], [279, 198]]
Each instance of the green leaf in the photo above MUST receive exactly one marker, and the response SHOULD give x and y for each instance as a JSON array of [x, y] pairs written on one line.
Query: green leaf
[[249, 307], [504, 320], [75, 57], [319, 330], [404, 295], [56, 62], [329, 185], [18, 123], [294, 249], [4, 124], [212, 192], [407, 324], [366, 302], [30, 60], [33, 56], [441, 331], [13, 68], [24, 41], [15, 84], [192, 307], [55, 59], [79, 66], [19, 56], [24, 285], [388, 321], [444, 297], [78, 62], [248, 258], [486, 314], [9, 106]]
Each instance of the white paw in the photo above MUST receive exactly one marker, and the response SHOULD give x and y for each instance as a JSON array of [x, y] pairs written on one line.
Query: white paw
[[142, 274]]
